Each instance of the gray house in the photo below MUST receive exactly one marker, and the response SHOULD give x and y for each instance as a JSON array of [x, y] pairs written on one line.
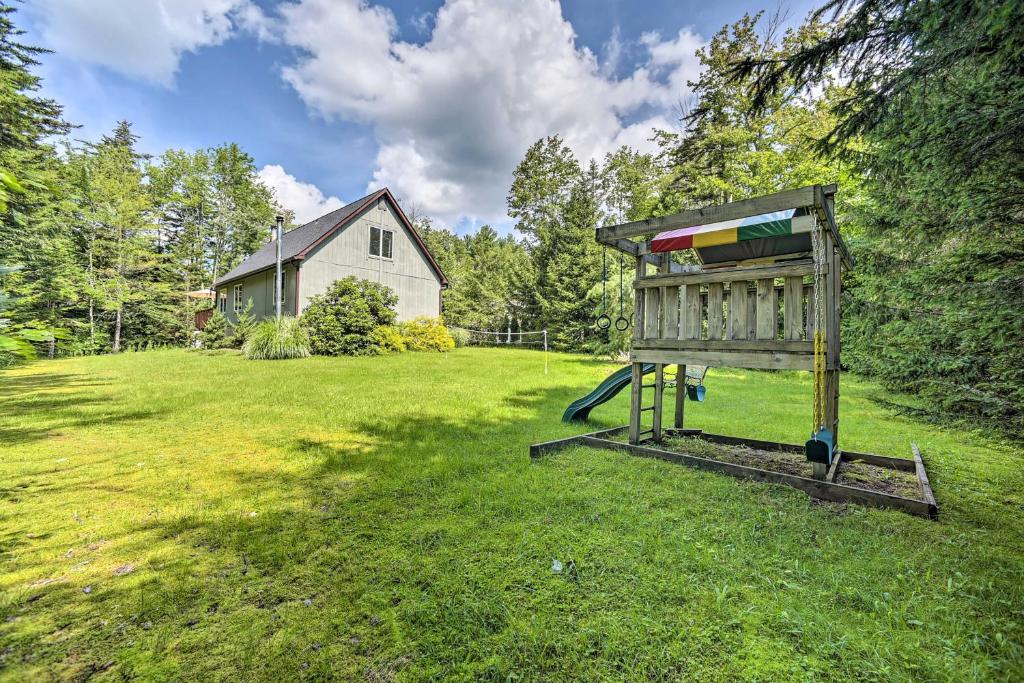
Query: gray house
[[371, 238]]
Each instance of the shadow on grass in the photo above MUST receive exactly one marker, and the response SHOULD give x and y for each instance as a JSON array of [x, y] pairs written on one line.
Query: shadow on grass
[[35, 407], [394, 542]]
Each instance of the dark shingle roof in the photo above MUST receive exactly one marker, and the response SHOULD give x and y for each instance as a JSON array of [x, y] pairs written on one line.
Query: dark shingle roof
[[295, 241]]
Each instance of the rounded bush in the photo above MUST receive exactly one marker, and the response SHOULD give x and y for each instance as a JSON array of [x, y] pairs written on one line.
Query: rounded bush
[[341, 321], [388, 339], [277, 339], [424, 333]]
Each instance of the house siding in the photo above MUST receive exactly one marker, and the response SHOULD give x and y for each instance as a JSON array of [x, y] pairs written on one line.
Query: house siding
[[260, 288], [408, 272]]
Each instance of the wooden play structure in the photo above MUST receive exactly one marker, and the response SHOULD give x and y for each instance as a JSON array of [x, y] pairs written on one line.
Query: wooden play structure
[[765, 294]]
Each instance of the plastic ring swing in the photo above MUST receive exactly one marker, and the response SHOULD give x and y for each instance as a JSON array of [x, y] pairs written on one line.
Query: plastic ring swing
[[622, 322]]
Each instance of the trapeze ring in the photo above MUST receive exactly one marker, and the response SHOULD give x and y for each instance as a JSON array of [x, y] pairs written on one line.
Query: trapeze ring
[[622, 323], [604, 322]]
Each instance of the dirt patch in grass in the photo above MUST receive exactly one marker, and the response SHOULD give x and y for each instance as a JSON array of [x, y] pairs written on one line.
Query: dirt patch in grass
[[775, 461], [859, 474], [883, 479]]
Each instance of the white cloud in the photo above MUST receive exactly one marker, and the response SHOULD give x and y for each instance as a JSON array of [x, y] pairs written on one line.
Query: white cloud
[[454, 115], [142, 39], [305, 199]]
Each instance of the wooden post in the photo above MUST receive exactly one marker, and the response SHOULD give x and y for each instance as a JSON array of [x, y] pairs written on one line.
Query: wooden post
[[638, 303], [680, 396], [659, 392], [636, 390], [832, 301], [669, 303]]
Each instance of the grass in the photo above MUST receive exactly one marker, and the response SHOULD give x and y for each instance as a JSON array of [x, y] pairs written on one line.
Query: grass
[[181, 515]]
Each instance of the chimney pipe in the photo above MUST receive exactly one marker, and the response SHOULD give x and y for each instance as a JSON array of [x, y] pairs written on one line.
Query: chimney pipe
[[279, 280]]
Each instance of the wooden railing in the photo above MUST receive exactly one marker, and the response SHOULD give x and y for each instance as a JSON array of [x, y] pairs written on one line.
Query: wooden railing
[[758, 316]]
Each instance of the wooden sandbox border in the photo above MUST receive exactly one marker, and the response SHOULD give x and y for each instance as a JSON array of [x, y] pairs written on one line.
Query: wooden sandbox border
[[826, 489]]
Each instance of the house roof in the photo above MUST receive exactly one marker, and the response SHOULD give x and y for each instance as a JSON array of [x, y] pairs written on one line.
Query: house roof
[[297, 243]]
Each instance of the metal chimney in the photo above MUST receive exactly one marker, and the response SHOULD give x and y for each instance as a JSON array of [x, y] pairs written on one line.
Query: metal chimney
[[279, 280]]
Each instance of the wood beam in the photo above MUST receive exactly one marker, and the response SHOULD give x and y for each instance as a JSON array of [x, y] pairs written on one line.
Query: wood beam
[[774, 270], [788, 199]]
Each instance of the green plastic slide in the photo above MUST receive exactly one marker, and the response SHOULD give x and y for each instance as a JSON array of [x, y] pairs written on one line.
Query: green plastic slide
[[579, 409]]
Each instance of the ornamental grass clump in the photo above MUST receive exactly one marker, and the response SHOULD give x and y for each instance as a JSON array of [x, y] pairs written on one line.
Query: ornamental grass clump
[[277, 339]]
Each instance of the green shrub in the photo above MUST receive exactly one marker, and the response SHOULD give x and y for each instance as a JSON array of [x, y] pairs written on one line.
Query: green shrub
[[214, 334], [277, 338], [244, 326], [388, 339], [342, 319], [460, 336], [424, 333]]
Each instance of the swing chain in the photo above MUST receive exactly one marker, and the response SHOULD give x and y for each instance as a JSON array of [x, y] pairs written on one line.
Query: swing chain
[[818, 295], [604, 321]]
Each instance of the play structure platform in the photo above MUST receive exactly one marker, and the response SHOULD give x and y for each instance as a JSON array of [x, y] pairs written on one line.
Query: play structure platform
[[765, 295]]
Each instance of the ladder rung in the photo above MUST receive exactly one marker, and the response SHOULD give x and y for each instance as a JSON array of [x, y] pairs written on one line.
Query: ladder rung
[[644, 410], [646, 431], [648, 386]]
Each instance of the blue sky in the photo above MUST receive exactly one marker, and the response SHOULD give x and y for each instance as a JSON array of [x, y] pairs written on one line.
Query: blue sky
[[332, 98]]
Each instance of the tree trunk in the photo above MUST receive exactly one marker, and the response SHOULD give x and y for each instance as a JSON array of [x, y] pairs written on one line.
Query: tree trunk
[[51, 345], [116, 346]]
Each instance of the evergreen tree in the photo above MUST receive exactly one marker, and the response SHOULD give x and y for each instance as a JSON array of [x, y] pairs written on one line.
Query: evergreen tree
[[936, 91], [46, 284]]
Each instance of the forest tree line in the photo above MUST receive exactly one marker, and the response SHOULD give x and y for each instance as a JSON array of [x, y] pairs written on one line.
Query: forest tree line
[[101, 245], [914, 109]]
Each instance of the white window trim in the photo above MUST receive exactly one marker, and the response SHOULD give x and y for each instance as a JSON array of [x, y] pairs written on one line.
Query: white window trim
[[380, 246], [236, 304], [222, 301]]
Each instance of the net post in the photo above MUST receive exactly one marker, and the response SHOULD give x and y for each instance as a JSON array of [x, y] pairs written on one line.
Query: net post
[[545, 350]]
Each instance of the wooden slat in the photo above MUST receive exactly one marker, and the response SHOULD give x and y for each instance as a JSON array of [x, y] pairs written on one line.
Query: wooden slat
[[922, 480], [792, 315], [758, 360], [738, 309], [726, 345], [751, 313], [809, 293], [767, 310], [691, 319], [651, 313], [715, 310], [833, 471], [671, 308], [789, 199], [801, 268], [902, 464]]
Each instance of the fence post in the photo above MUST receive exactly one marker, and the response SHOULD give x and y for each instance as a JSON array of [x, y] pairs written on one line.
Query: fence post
[[545, 350]]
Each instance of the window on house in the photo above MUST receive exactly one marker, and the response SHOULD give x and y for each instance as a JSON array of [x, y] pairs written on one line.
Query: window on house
[[238, 298], [222, 301], [381, 242]]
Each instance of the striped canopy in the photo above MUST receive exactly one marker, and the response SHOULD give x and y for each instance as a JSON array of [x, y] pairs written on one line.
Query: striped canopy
[[775, 224]]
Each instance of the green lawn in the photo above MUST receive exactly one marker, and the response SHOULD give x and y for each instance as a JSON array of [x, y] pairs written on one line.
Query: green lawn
[[178, 515]]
